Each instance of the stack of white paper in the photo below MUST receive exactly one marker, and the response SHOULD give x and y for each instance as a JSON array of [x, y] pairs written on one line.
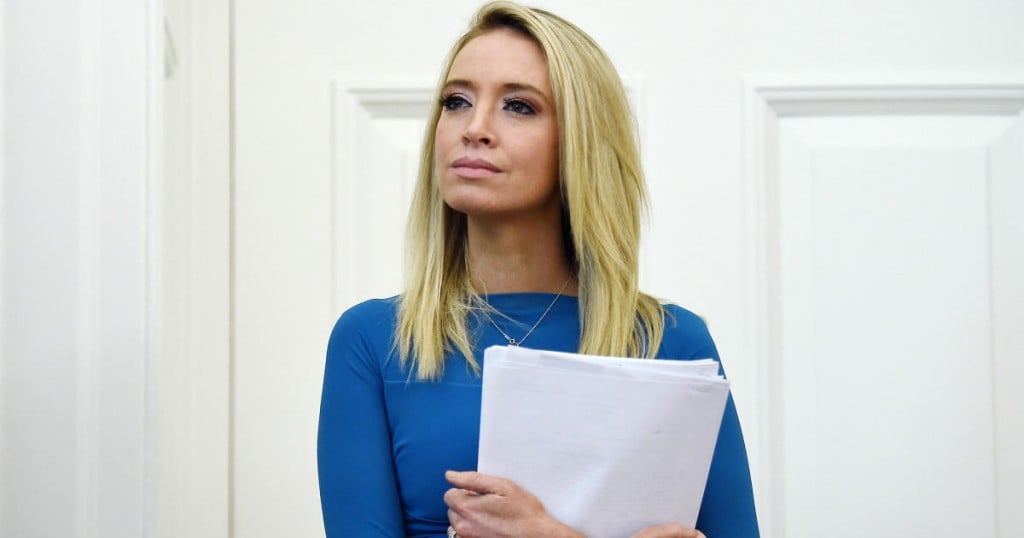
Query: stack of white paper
[[608, 445]]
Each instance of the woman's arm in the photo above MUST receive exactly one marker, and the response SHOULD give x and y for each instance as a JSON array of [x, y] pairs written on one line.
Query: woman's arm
[[358, 489], [728, 505], [727, 508]]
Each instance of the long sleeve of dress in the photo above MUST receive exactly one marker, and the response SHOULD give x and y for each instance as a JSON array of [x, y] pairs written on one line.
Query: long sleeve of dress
[[727, 510], [358, 488]]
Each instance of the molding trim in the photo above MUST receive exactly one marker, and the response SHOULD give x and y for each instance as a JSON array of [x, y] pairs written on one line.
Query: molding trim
[[848, 95], [189, 377], [356, 101], [3, 243], [769, 99], [88, 262], [77, 467]]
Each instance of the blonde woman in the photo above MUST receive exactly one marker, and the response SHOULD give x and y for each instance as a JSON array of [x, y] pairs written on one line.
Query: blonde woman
[[524, 229]]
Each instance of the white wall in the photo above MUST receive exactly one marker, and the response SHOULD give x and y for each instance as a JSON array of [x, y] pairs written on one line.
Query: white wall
[[77, 131]]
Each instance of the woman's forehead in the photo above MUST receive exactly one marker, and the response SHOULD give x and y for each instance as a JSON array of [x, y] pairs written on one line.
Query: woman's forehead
[[500, 57]]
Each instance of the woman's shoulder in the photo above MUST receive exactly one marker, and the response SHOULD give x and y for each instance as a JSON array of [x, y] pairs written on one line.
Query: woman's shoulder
[[362, 337], [682, 319], [372, 317], [686, 335], [371, 311]]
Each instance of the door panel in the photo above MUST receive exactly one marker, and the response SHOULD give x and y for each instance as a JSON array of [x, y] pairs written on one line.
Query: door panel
[[378, 129], [1006, 197], [886, 347], [877, 390]]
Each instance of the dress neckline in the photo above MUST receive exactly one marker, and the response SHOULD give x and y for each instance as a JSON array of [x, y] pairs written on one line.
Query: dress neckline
[[527, 302]]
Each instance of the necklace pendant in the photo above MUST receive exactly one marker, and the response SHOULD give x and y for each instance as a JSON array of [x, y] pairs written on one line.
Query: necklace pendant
[[517, 343]]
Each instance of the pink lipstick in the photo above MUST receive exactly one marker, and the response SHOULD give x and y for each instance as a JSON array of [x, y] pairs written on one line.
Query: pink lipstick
[[474, 168]]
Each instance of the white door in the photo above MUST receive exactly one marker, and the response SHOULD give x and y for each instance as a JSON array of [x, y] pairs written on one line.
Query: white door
[[836, 187]]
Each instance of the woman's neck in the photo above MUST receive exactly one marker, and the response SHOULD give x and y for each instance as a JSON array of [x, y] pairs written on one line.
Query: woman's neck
[[527, 256]]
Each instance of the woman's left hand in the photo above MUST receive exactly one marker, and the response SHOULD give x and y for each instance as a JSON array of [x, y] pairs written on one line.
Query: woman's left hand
[[484, 505]]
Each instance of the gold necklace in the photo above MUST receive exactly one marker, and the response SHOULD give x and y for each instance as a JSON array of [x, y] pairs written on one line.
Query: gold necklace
[[513, 341]]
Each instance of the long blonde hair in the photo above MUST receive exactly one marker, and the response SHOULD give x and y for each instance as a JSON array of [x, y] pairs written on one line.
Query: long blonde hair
[[603, 197]]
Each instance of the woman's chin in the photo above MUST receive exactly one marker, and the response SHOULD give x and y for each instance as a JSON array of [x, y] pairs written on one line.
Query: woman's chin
[[475, 205], [490, 208]]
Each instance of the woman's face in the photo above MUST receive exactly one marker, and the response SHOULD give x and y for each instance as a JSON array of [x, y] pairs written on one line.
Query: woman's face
[[496, 145]]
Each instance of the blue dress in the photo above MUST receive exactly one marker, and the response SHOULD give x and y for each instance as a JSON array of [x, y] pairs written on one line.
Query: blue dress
[[386, 439]]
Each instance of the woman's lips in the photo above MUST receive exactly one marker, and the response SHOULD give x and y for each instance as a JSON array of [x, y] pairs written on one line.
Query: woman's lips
[[474, 168]]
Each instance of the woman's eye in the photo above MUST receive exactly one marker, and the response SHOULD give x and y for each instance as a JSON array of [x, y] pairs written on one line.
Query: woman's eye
[[454, 102], [519, 106]]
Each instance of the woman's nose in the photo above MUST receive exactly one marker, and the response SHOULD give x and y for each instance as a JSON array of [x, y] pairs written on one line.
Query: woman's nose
[[478, 130]]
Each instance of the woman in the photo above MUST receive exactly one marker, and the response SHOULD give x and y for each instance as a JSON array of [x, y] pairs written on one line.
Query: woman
[[524, 229]]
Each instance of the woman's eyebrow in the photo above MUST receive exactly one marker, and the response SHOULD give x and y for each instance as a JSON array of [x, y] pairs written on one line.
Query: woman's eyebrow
[[519, 86]]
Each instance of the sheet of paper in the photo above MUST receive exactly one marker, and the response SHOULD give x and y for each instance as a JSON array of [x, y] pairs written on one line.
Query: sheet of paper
[[611, 365], [608, 445]]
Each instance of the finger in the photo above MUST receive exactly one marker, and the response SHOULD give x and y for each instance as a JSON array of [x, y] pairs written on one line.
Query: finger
[[479, 482], [459, 524], [456, 497]]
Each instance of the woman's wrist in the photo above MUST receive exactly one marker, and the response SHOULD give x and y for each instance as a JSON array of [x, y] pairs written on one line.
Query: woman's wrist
[[557, 529]]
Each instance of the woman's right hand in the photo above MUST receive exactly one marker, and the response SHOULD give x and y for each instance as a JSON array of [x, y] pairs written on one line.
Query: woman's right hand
[[669, 530]]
